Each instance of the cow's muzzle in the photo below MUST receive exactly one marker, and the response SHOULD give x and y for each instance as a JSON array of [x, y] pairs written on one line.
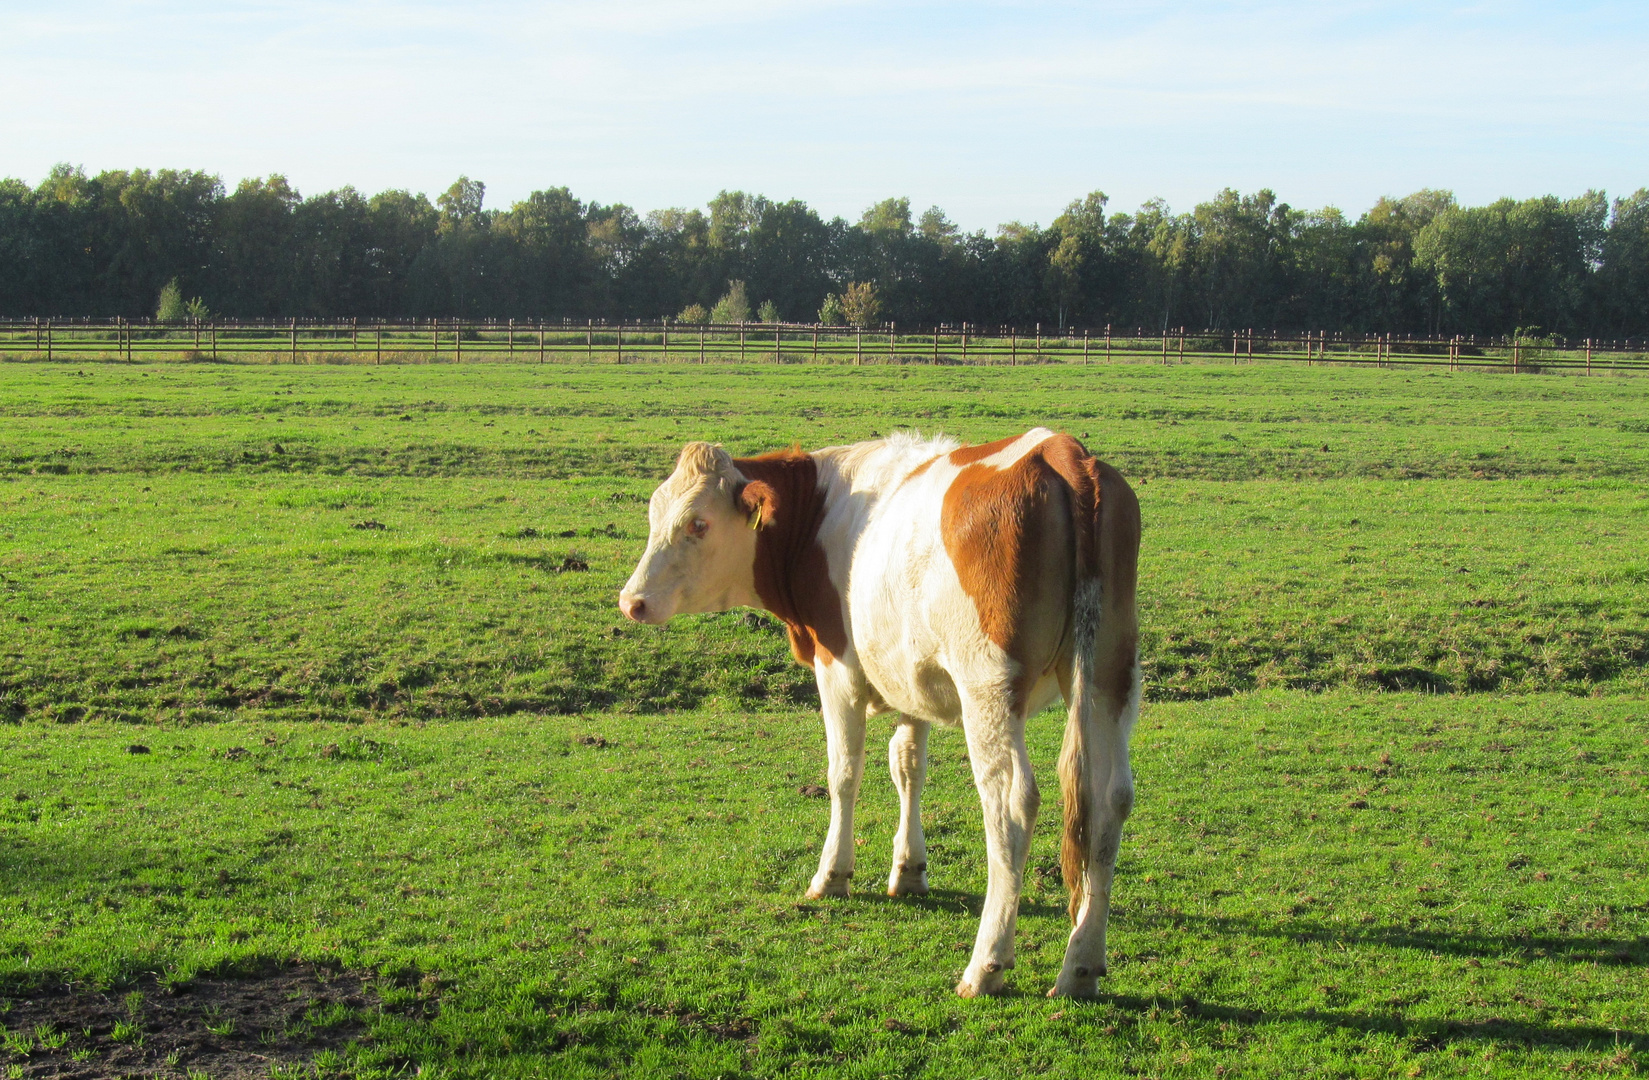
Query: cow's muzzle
[[634, 607]]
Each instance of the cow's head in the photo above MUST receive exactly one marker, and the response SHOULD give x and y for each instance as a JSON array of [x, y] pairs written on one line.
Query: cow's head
[[702, 547]]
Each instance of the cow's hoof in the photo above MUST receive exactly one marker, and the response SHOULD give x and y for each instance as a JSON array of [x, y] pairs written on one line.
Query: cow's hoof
[[907, 885], [1075, 988], [835, 885], [1080, 983], [982, 983]]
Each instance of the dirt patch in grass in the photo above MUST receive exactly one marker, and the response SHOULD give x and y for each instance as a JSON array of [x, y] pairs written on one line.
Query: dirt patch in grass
[[224, 1027]]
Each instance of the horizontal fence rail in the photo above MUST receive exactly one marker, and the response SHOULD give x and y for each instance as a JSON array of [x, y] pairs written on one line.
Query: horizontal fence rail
[[298, 341]]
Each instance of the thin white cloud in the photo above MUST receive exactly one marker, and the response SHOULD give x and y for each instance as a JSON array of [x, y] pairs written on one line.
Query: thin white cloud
[[995, 111]]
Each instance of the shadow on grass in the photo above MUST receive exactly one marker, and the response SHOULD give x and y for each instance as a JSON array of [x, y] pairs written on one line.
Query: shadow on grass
[[1624, 952], [1423, 1034], [951, 901]]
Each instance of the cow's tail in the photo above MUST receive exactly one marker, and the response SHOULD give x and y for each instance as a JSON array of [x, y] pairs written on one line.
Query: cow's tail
[[1076, 782], [1103, 694]]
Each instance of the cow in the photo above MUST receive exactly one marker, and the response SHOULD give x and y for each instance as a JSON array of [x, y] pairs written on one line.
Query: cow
[[948, 584]]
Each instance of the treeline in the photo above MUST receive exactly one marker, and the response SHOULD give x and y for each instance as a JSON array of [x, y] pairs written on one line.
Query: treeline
[[108, 245]]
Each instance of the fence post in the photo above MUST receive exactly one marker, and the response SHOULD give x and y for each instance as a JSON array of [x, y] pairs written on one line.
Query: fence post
[[618, 342], [815, 343], [741, 341], [1251, 345], [858, 345], [1085, 359], [1182, 344], [778, 343], [1038, 352], [378, 345], [666, 339], [1013, 346], [701, 343], [294, 341], [457, 341], [48, 341], [1588, 356], [935, 343], [964, 343], [589, 340], [212, 332]]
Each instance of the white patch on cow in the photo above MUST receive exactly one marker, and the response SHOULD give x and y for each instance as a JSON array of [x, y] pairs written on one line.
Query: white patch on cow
[[699, 548], [1008, 455]]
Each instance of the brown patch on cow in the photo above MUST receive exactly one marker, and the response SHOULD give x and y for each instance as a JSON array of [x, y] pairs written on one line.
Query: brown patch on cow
[[920, 469], [987, 522], [1080, 471], [967, 455], [791, 570], [998, 527], [1118, 543]]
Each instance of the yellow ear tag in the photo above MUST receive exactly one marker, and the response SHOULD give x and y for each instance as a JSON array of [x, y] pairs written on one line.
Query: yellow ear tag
[[756, 518]]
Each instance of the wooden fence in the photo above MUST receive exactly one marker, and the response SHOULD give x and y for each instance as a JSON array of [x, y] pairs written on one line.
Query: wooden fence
[[299, 341]]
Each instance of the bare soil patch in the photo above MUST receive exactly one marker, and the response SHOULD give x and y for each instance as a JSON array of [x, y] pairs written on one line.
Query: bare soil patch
[[225, 1027]]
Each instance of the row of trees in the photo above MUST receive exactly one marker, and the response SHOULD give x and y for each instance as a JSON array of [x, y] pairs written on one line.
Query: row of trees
[[108, 244]]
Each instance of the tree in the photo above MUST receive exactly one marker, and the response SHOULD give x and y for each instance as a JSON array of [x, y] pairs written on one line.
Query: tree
[[935, 226], [860, 304], [170, 308], [767, 312], [1512, 264], [693, 313], [107, 244], [1394, 293], [174, 308], [1622, 291], [255, 266], [888, 218], [733, 307], [462, 201]]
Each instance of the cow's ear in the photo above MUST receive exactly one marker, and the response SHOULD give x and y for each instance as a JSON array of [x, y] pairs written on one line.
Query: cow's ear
[[757, 499]]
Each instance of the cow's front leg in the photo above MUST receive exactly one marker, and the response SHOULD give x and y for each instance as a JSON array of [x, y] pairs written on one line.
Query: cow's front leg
[[1008, 795], [907, 760], [844, 718]]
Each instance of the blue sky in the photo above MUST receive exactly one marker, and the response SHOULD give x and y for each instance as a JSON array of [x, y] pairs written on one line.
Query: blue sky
[[993, 111]]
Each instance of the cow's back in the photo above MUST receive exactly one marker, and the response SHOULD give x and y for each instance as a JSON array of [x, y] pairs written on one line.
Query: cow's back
[[962, 580]]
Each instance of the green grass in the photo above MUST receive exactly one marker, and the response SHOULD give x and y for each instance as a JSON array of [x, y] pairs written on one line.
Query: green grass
[[1323, 876], [1339, 884], [164, 561]]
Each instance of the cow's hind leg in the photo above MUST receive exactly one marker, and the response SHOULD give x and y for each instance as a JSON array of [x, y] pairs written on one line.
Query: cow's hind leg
[[1110, 798], [844, 717], [907, 760], [1008, 796]]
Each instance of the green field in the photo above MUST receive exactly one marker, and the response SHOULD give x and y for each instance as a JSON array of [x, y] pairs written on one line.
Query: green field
[[1391, 769]]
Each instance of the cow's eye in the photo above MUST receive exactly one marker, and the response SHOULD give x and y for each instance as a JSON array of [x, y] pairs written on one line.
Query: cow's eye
[[697, 527]]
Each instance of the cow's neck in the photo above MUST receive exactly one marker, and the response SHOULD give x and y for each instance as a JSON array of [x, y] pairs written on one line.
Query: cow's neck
[[792, 573]]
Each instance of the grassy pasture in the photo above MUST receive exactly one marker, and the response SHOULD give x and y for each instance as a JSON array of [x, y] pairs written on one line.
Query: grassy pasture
[[560, 845], [180, 542]]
